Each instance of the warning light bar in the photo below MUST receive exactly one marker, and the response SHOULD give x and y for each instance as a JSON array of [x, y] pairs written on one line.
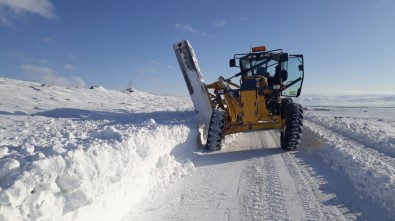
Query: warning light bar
[[258, 49]]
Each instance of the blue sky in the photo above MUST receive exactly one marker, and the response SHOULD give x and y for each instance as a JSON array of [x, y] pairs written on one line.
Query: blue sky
[[348, 44]]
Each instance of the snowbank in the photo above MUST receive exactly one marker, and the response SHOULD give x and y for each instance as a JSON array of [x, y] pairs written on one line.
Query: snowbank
[[360, 149], [80, 154]]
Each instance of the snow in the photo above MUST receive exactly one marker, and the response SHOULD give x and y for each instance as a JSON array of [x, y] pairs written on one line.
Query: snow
[[361, 100], [99, 154], [81, 154], [347, 146]]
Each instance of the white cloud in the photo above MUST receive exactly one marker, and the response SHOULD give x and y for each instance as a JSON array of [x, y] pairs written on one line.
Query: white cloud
[[37, 69], [47, 75], [4, 20], [154, 67], [68, 66], [72, 56], [48, 40], [189, 28], [14, 8], [42, 61], [206, 35], [220, 23], [242, 18], [186, 28]]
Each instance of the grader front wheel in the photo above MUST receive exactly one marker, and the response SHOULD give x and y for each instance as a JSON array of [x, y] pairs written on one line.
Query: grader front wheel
[[292, 133], [215, 130]]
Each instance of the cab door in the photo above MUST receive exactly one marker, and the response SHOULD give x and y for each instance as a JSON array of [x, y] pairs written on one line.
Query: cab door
[[294, 82]]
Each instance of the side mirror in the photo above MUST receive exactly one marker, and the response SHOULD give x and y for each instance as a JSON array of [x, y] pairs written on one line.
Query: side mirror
[[232, 63]]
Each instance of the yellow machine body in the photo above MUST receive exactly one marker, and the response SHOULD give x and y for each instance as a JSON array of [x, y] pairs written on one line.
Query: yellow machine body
[[245, 110]]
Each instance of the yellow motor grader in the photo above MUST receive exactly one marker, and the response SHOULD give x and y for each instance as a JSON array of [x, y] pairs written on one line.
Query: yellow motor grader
[[261, 99]]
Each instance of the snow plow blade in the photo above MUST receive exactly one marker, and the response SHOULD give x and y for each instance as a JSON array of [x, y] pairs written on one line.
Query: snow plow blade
[[194, 80]]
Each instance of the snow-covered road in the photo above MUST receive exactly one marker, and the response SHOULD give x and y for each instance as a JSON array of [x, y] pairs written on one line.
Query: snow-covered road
[[339, 173], [97, 154], [252, 179]]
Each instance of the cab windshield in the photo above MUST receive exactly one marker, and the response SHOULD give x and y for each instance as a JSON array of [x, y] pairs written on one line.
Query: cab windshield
[[263, 66], [269, 67]]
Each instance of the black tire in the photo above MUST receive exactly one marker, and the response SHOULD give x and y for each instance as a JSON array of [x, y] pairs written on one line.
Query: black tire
[[215, 130], [290, 138]]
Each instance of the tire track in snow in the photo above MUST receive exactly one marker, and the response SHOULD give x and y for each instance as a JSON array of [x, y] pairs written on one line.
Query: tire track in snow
[[307, 187], [263, 195], [295, 201], [302, 190], [308, 190], [281, 188], [271, 193], [263, 198]]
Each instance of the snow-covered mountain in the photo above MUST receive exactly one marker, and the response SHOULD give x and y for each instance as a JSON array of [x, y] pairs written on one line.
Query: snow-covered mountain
[[97, 154]]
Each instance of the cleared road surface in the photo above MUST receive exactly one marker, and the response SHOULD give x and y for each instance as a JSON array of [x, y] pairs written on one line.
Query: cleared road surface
[[251, 178]]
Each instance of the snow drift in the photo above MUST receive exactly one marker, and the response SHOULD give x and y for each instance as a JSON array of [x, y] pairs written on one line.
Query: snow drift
[[80, 154]]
